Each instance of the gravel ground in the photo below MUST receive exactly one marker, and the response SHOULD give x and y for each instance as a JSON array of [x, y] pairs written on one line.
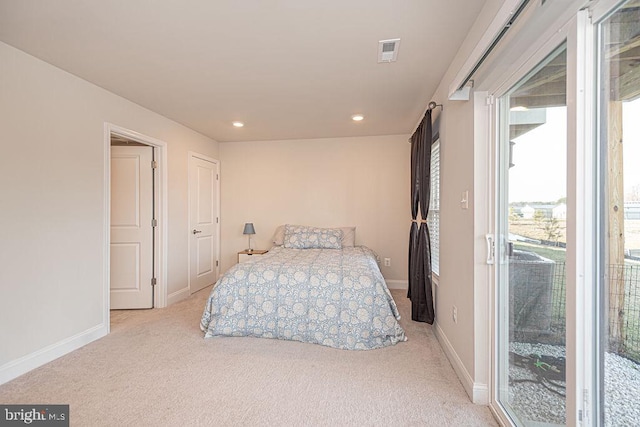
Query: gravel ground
[[622, 391], [532, 401]]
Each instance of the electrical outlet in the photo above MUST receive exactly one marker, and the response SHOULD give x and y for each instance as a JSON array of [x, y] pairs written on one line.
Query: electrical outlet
[[387, 262], [454, 314]]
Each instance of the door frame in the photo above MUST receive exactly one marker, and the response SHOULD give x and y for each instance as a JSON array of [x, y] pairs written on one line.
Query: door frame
[[161, 209], [193, 154], [576, 34]]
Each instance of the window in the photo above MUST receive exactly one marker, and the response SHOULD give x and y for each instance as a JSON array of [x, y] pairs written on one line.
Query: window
[[433, 218]]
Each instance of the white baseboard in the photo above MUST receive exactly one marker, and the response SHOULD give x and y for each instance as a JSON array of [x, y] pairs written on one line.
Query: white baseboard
[[397, 284], [15, 368], [478, 392], [176, 296]]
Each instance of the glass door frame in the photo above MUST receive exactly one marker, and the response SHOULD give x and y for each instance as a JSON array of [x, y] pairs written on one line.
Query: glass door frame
[[600, 12], [577, 33]]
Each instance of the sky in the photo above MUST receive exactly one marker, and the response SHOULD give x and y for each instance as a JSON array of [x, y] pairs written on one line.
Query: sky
[[540, 157]]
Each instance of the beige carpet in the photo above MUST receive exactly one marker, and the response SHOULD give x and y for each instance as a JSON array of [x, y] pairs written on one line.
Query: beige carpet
[[155, 369]]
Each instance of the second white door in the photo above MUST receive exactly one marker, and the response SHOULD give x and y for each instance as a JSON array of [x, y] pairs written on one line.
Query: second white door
[[203, 222]]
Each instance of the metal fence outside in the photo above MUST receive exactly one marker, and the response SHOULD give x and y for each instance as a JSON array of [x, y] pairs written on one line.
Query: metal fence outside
[[624, 310], [623, 326]]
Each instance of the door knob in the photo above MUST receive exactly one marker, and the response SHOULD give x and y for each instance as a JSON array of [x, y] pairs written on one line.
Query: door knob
[[196, 231]]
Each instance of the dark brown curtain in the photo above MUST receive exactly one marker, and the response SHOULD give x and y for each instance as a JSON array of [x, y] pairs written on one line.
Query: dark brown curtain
[[415, 189], [420, 285]]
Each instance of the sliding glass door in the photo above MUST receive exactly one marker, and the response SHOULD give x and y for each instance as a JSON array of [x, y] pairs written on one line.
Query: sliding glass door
[[532, 211], [567, 301], [567, 283], [619, 225]]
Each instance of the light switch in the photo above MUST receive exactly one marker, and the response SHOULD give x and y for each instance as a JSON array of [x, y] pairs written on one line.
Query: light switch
[[464, 200]]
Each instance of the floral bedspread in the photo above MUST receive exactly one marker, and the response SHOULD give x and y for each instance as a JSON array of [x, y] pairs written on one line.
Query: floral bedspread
[[333, 297]]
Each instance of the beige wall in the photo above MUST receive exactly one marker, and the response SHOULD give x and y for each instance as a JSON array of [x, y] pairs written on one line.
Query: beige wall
[[455, 286], [52, 218], [362, 182], [466, 281], [459, 236]]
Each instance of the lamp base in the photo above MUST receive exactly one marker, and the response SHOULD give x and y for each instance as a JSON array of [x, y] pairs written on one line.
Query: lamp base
[[248, 250]]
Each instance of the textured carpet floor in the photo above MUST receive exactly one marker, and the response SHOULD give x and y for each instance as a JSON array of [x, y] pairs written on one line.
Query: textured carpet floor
[[155, 369]]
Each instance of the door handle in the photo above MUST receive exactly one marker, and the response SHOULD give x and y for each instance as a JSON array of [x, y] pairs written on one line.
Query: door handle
[[196, 231], [491, 248]]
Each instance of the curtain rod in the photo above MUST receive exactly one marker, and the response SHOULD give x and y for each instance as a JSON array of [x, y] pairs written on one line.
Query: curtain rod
[[431, 106]]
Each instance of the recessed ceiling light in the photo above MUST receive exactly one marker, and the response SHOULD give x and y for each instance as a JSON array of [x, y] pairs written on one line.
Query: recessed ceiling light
[[238, 124], [357, 117]]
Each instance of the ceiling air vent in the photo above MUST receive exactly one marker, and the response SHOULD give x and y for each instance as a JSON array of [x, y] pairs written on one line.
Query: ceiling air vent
[[388, 50]]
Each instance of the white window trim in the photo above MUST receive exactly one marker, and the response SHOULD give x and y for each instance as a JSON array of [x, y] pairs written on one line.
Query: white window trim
[[434, 207]]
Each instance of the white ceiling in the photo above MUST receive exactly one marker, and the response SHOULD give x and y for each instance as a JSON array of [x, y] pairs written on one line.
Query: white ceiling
[[288, 69]]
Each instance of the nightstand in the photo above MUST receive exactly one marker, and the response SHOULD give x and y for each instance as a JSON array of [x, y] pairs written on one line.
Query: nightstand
[[246, 255]]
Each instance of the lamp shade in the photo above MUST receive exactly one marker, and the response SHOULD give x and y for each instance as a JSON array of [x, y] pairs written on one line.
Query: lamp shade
[[248, 228]]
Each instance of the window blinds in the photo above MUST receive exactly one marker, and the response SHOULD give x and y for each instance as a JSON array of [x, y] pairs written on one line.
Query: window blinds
[[433, 218]]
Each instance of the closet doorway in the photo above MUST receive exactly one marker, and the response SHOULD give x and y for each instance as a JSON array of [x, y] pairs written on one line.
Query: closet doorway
[[204, 221], [136, 228]]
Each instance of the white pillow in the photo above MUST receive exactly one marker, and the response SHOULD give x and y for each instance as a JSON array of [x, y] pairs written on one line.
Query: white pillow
[[278, 236], [349, 236]]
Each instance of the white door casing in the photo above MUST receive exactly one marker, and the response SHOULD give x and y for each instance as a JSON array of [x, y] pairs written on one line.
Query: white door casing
[[203, 221], [131, 227]]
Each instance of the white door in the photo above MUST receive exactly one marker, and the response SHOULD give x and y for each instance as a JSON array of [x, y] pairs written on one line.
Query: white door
[[203, 222], [131, 227]]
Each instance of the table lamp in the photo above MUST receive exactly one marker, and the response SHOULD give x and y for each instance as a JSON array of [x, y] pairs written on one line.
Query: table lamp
[[249, 230]]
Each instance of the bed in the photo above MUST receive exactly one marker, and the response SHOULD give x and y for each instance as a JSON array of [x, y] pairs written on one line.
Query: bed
[[310, 288]]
